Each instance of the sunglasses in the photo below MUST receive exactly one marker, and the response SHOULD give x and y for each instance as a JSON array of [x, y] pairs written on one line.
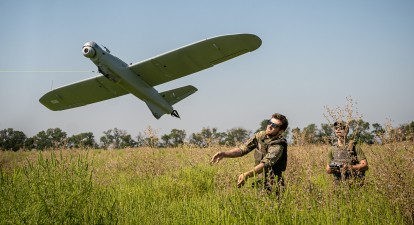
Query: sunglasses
[[273, 124], [340, 127]]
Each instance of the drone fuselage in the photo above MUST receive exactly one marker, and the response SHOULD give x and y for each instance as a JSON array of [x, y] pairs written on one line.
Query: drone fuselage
[[119, 72]]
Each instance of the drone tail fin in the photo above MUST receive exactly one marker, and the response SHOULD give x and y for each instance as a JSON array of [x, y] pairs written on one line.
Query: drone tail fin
[[175, 95]]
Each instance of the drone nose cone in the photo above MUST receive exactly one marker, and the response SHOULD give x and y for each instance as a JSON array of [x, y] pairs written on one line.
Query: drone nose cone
[[88, 51]]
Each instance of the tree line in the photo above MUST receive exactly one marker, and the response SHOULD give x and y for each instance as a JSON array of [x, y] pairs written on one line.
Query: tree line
[[359, 130], [55, 138]]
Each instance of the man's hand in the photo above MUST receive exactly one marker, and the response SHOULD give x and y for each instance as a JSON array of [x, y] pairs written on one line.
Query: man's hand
[[242, 180], [346, 168], [328, 169], [217, 157]]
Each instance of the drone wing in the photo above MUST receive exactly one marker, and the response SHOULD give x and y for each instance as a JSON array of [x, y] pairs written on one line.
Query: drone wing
[[81, 93], [194, 57]]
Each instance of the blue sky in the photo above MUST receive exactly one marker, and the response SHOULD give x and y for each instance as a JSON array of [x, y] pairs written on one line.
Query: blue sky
[[314, 54]]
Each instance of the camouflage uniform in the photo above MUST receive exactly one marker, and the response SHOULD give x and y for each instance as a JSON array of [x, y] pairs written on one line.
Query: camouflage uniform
[[350, 154], [272, 151]]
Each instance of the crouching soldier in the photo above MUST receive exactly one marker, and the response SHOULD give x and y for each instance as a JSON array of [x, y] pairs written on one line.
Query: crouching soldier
[[346, 160]]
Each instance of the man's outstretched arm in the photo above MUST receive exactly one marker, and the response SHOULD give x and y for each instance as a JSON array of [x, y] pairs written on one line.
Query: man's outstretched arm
[[233, 153]]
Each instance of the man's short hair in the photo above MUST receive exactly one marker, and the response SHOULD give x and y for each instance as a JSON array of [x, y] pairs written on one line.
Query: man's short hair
[[283, 119]]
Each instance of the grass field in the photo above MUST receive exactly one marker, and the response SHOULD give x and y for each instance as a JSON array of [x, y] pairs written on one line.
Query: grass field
[[178, 186]]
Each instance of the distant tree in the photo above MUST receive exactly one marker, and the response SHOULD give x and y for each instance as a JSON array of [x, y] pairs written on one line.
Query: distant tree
[[151, 139], [29, 143], [174, 139], [203, 139], [410, 131], [42, 141], [378, 132], [117, 134], [166, 140], [116, 138], [326, 134], [82, 140], [127, 141], [58, 137], [394, 135], [404, 132], [107, 139], [297, 136], [208, 137], [52, 138], [177, 137], [197, 140], [140, 140], [12, 139], [219, 138], [236, 136], [309, 134], [360, 131]]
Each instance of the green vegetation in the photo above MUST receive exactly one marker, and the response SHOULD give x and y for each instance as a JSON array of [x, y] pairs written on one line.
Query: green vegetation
[[55, 138], [178, 186]]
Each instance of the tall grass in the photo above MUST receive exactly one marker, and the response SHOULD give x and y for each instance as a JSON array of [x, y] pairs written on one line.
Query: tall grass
[[178, 186]]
